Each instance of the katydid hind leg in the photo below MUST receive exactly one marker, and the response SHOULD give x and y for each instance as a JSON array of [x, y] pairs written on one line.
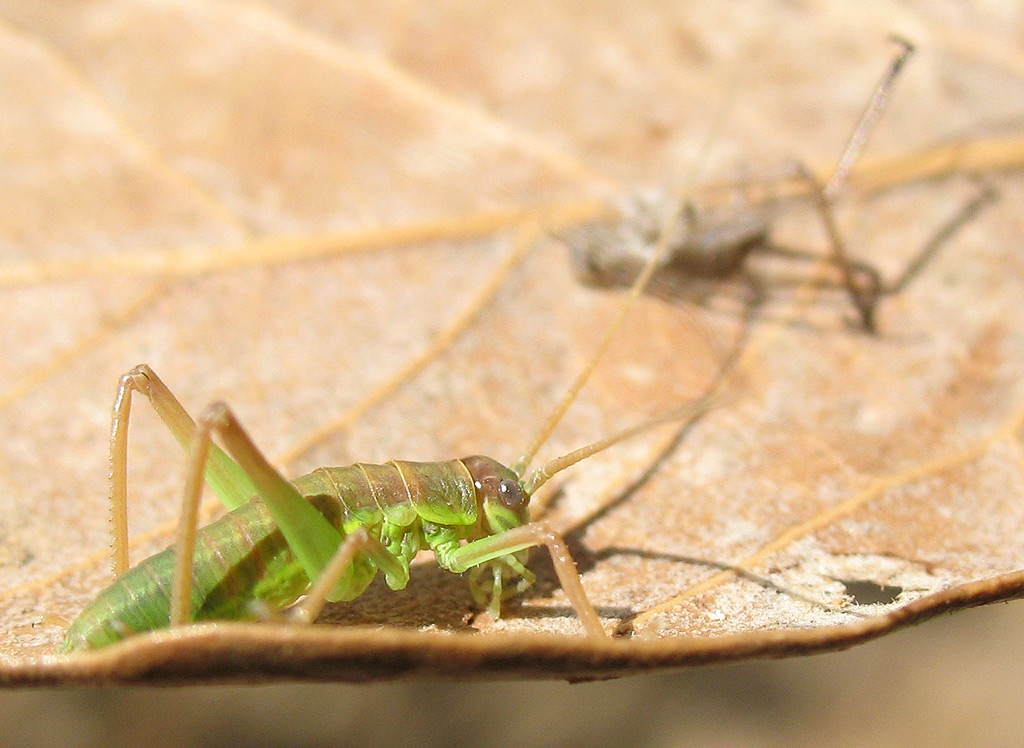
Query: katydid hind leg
[[188, 521], [228, 481], [312, 539]]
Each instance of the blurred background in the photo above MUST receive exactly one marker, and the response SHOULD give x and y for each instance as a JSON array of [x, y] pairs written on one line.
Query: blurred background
[[139, 148]]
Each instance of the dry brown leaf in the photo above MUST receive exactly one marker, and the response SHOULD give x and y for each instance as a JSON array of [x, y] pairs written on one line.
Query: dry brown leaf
[[183, 183]]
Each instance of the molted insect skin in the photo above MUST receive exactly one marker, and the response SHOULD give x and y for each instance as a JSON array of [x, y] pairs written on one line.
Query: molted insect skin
[[711, 244], [243, 557]]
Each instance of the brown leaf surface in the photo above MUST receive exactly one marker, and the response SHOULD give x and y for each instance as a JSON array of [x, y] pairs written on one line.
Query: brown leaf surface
[[184, 184]]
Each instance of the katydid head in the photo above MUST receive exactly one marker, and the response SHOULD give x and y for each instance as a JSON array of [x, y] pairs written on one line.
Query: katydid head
[[504, 504], [502, 498], [503, 495]]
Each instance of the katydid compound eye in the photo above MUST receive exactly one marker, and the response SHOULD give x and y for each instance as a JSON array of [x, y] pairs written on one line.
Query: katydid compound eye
[[511, 494]]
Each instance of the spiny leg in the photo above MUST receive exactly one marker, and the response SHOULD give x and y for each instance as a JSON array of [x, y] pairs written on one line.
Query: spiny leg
[[312, 539], [527, 536], [228, 481]]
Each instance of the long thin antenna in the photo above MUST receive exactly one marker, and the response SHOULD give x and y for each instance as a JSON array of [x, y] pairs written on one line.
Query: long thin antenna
[[687, 412], [858, 140], [866, 125], [660, 248]]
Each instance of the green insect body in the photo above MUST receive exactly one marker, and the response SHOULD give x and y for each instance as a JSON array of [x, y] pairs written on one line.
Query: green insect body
[[243, 558]]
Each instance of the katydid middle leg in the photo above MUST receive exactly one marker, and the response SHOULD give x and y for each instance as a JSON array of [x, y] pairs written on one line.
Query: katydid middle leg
[[360, 541]]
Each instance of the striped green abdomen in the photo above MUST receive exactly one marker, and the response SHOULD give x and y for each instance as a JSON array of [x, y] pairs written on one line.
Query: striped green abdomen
[[239, 558], [243, 557]]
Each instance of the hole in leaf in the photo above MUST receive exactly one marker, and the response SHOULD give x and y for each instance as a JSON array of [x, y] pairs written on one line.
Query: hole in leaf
[[867, 592]]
